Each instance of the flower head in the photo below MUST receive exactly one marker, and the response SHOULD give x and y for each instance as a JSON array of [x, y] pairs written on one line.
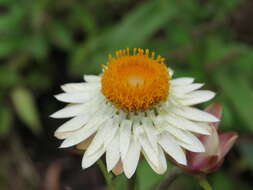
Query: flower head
[[217, 145], [134, 108], [137, 82]]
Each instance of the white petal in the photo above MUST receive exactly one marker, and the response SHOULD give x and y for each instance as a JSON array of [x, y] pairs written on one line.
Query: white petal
[[194, 146], [157, 167], [87, 110], [76, 139], [79, 87], [212, 142], [194, 114], [186, 88], [73, 87], [97, 141], [125, 134], [194, 141], [146, 145], [182, 81], [108, 127], [190, 147], [131, 160], [180, 91], [93, 109], [113, 153], [186, 137], [171, 72], [204, 125], [185, 124], [89, 160], [114, 127], [69, 111], [75, 97], [178, 133], [64, 135], [82, 134], [151, 132], [173, 149], [163, 161], [73, 124], [197, 97], [91, 78]]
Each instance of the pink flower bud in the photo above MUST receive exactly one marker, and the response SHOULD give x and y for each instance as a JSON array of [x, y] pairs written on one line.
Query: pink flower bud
[[216, 144]]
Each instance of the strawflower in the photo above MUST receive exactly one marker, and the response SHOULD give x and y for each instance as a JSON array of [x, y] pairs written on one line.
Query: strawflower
[[133, 108]]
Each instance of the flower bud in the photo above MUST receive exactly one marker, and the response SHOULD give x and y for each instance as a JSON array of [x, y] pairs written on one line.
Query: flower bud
[[216, 145]]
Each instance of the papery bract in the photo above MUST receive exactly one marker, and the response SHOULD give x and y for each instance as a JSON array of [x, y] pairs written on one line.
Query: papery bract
[[217, 145]]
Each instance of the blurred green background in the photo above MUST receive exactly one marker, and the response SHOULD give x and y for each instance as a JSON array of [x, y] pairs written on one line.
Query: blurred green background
[[46, 43]]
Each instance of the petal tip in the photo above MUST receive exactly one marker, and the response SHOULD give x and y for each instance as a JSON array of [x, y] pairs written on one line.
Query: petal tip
[[54, 115], [182, 162], [62, 146], [215, 109], [57, 97]]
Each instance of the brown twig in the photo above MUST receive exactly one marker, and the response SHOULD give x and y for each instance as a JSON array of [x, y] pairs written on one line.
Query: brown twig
[[52, 177]]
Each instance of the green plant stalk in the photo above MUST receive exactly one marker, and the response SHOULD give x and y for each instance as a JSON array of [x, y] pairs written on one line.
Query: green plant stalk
[[107, 176], [132, 183], [167, 181], [204, 183]]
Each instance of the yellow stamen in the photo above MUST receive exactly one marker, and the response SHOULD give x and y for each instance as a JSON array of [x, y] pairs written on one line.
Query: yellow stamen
[[137, 81]]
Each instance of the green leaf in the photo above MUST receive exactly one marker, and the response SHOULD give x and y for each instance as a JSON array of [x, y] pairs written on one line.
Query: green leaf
[[26, 109], [5, 120], [223, 8], [243, 64], [240, 94], [217, 49], [12, 20], [61, 35], [8, 76], [246, 149], [8, 47], [120, 182], [38, 47], [133, 31], [227, 117], [83, 18], [221, 180], [32, 79], [180, 36], [146, 177]]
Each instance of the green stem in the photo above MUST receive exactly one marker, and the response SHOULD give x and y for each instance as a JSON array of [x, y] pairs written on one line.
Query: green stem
[[173, 175], [107, 176], [204, 183], [131, 183]]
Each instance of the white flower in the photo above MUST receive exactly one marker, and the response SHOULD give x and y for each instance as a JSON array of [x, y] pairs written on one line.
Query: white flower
[[134, 108]]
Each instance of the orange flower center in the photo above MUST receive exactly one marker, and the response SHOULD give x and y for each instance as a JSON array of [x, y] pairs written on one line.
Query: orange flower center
[[135, 82]]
